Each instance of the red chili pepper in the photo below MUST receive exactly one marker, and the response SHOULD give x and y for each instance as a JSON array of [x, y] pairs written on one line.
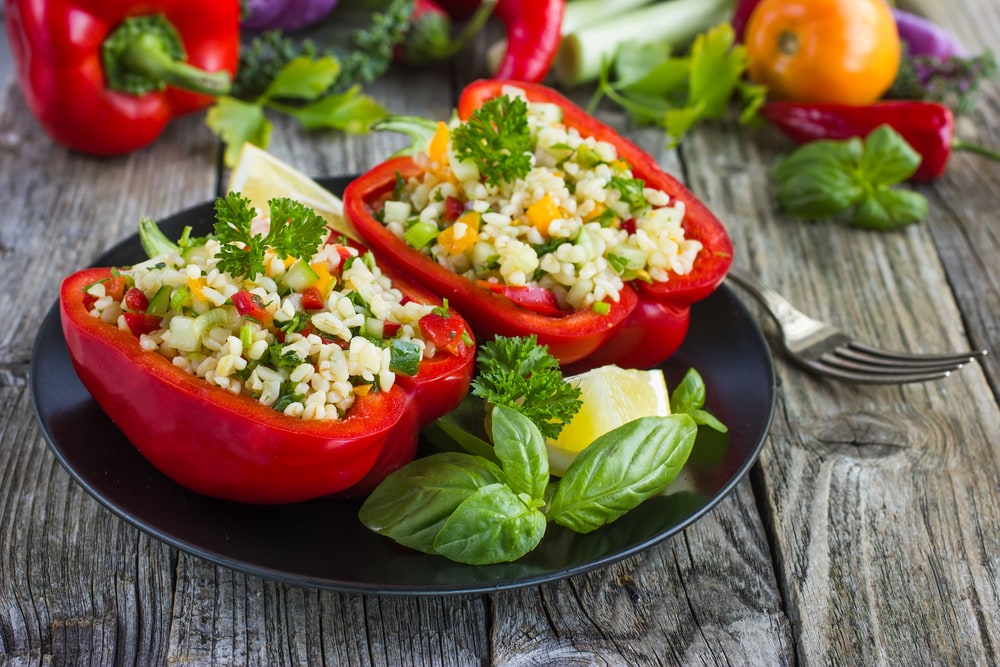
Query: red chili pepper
[[106, 76], [533, 34], [230, 446], [641, 329], [928, 127]]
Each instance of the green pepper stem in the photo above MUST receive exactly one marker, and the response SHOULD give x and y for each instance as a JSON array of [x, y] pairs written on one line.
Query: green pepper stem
[[472, 27], [147, 55], [958, 145]]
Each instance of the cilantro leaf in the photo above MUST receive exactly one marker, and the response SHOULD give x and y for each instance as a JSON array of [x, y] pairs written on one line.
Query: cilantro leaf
[[496, 137], [238, 122], [521, 374], [304, 78]]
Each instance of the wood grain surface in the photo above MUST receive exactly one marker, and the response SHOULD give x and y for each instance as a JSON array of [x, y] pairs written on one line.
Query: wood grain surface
[[868, 532]]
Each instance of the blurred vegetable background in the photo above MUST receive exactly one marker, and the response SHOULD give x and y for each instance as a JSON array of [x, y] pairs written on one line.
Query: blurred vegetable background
[[816, 69]]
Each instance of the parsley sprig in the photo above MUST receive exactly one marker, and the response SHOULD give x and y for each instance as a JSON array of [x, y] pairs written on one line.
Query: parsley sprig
[[296, 231], [520, 373], [497, 138]]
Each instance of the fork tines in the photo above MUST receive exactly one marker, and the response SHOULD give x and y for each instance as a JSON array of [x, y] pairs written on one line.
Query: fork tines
[[857, 362]]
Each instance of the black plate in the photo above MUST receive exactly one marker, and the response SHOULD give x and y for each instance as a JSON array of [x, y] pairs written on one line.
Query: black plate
[[321, 543]]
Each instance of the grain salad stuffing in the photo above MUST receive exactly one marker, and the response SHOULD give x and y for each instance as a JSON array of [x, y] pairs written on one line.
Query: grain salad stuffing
[[274, 312], [513, 197]]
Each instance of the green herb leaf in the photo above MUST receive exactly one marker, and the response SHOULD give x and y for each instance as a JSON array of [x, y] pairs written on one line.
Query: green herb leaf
[[242, 252], [887, 158], [304, 78], [348, 112], [404, 357], [688, 398], [497, 139], [412, 504], [826, 179], [884, 209], [620, 470], [493, 525], [237, 122], [521, 449], [521, 374]]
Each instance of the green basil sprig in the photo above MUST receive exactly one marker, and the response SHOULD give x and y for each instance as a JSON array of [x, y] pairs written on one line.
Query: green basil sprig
[[473, 510]]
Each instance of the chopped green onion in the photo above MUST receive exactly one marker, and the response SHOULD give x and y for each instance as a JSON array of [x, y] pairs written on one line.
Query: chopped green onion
[[420, 234], [602, 307]]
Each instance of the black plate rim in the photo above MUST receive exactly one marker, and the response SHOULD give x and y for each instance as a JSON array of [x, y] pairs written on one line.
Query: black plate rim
[[51, 320]]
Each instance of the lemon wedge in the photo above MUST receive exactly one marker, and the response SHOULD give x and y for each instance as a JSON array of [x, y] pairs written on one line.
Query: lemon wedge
[[610, 396], [260, 176]]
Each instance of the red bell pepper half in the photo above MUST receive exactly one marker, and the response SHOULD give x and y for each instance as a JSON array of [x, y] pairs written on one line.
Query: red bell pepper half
[[106, 76], [232, 447], [642, 329]]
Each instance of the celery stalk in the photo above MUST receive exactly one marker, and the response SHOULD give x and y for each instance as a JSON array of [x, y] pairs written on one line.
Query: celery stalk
[[579, 13], [676, 22]]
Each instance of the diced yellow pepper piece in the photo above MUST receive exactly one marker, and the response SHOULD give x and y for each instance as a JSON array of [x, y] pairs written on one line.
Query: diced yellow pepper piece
[[196, 285], [437, 150], [462, 235], [598, 209], [326, 279], [542, 213]]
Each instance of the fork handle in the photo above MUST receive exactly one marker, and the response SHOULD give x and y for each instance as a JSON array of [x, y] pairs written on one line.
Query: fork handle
[[779, 308]]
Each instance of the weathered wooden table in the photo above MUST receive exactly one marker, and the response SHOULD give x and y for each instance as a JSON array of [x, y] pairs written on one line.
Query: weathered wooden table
[[868, 532]]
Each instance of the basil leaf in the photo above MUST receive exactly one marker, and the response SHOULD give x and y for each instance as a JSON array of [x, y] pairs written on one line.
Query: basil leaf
[[824, 153], [886, 209], [706, 418], [819, 193], [412, 504], [493, 525], [689, 394], [887, 158], [521, 449], [620, 470]]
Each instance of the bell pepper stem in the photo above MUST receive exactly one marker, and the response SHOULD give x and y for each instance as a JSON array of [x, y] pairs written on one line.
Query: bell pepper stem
[[420, 130], [958, 145], [147, 55]]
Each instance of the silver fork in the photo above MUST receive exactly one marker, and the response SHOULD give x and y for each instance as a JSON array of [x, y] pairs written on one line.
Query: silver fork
[[825, 350]]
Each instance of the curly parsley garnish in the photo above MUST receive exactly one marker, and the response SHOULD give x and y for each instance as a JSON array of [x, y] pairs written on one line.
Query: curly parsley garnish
[[521, 374], [296, 231], [496, 137]]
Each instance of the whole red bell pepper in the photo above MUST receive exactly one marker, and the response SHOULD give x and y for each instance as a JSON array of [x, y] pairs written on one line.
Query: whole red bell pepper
[[928, 127], [231, 446], [645, 326], [106, 76], [533, 34]]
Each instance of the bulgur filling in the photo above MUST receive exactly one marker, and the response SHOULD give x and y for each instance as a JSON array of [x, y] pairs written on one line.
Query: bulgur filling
[[306, 336], [579, 223]]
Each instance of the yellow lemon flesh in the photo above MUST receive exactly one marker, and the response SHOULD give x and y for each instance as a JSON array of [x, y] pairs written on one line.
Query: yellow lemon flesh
[[610, 396], [260, 176]]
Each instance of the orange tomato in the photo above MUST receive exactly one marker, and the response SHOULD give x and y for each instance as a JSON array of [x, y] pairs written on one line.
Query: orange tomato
[[823, 51]]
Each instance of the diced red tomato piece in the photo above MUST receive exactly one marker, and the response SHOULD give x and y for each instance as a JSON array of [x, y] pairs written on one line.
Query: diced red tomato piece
[[533, 298], [136, 300], [390, 329], [444, 332], [629, 226], [453, 209], [115, 287], [142, 323], [312, 299], [250, 305]]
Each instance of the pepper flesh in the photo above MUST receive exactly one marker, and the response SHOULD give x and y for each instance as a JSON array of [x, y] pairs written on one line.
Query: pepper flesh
[[231, 446], [57, 51], [644, 327], [928, 127]]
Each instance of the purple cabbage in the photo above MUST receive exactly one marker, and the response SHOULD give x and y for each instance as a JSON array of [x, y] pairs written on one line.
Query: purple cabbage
[[923, 37], [287, 15]]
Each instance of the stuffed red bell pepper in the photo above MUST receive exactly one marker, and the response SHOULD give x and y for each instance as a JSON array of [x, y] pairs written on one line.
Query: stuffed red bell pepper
[[106, 76], [530, 216], [262, 365]]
